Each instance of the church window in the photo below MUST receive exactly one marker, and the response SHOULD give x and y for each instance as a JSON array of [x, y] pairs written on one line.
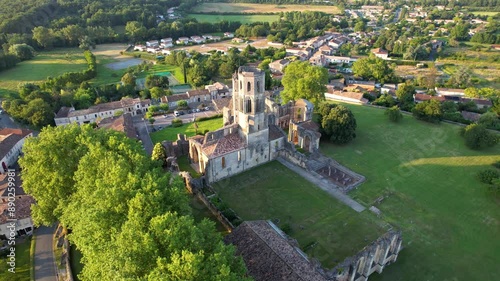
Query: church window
[[239, 156], [223, 162], [241, 85], [249, 106], [258, 86], [249, 86]]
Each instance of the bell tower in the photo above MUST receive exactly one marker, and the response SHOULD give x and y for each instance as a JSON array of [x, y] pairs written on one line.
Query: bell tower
[[249, 102]]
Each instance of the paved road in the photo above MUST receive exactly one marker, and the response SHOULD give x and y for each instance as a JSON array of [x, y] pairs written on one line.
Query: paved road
[[325, 185], [143, 132], [44, 255], [7, 122]]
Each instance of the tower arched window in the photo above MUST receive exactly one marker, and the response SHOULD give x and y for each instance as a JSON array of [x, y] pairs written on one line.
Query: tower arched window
[[241, 85], [249, 106], [249, 86], [258, 86]]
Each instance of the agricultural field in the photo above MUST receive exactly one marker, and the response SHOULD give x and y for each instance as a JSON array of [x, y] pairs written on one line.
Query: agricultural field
[[485, 13], [44, 64], [325, 228], [483, 63], [243, 8], [241, 18], [426, 178], [170, 133]]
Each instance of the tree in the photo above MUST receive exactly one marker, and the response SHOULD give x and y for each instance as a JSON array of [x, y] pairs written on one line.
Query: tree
[[182, 103], [385, 100], [302, 80], [339, 125], [158, 153], [157, 93], [429, 111], [45, 37], [373, 68], [477, 137], [22, 51], [135, 30], [405, 94], [489, 120], [128, 79], [394, 114], [91, 180], [156, 81], [38, 113], [152, 120], [461, 78]]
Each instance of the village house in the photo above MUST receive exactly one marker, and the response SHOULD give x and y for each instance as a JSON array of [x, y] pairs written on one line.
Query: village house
[[380, 53], [140, 48], [166, 43], [22, 215], [197, 39], [450, 92], [278, 66], [350, 97], [173, 99], [389, 89], [152, 43], [68, 115], [11, 144], [182, 40], [218, 90], [228, 34], [122, 123]]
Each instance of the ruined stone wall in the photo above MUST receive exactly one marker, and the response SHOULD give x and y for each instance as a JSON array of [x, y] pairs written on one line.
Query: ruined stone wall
[[177, 148]]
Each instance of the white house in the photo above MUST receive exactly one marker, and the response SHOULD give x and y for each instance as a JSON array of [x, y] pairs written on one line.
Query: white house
[[140, 48], [350, 97], [278, 65], [152, 43], [381, 53], [228, 34], [67, 115], [182, 40], [11, 143], [339, 59], [450, 92], [166, 43]]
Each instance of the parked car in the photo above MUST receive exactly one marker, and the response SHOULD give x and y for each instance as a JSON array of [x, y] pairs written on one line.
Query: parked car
[[197, 110], [177, 113], [206, 108]]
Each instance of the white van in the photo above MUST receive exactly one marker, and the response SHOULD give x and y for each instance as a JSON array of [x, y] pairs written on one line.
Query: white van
[[176, 113]]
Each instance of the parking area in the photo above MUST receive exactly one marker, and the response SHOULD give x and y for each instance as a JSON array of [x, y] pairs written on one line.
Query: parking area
[[189, 116]]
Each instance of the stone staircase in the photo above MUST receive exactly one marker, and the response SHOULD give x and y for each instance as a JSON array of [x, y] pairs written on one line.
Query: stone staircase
[[314, 165]]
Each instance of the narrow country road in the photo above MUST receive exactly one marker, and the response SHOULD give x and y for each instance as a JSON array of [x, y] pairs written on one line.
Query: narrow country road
[[143, 132], [44, 255]]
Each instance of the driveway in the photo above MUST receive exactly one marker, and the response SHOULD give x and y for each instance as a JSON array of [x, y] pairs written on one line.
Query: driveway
[[44, 255], [143, 132], [6, 121]]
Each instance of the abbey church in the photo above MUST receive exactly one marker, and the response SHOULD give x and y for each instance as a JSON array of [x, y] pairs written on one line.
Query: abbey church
[[253, 130]]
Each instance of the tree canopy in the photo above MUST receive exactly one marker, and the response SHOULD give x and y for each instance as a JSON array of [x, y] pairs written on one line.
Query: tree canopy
[[129, 218], [303, 80], [337, 123], [373, 68]]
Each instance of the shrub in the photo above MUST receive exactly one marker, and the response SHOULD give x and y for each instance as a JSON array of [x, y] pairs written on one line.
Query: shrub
[[177, 122], [496, 164], [488, 176], [477, 137], [394, 114]]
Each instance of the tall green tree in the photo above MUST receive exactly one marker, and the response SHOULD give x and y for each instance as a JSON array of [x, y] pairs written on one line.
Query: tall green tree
[[129, 218], [45, 37], [302, 80], [22, 51], [128, 79], [429, 111], [373, 68], [158, 153], [405, 93], [339, 125]]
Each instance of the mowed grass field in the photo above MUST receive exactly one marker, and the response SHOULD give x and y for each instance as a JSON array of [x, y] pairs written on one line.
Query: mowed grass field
[[325, 228], [240, 18], [44, 64], [485, 13], [241, 8], [450, 221], [170, 133]]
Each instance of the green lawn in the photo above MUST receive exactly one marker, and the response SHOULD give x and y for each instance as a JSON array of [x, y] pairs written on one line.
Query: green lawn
[[485, 13], [170, 133], [22, 263], [184, 165], [450, 221], [325, 228], [51, 63], [241, 18]]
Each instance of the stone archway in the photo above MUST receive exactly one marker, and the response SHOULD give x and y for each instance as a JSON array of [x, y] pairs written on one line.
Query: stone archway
[[295, 137]]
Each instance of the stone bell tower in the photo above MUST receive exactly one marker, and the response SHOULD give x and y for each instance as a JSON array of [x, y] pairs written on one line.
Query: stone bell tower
[[249, 103]]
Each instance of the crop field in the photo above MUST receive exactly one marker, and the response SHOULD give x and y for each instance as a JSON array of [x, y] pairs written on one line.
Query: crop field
[[243, 8], [241, 18]]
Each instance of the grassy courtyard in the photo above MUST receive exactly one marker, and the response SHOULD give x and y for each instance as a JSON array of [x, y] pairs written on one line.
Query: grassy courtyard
[[450, 221], [325, 228], [23, 263], [170, 133]]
